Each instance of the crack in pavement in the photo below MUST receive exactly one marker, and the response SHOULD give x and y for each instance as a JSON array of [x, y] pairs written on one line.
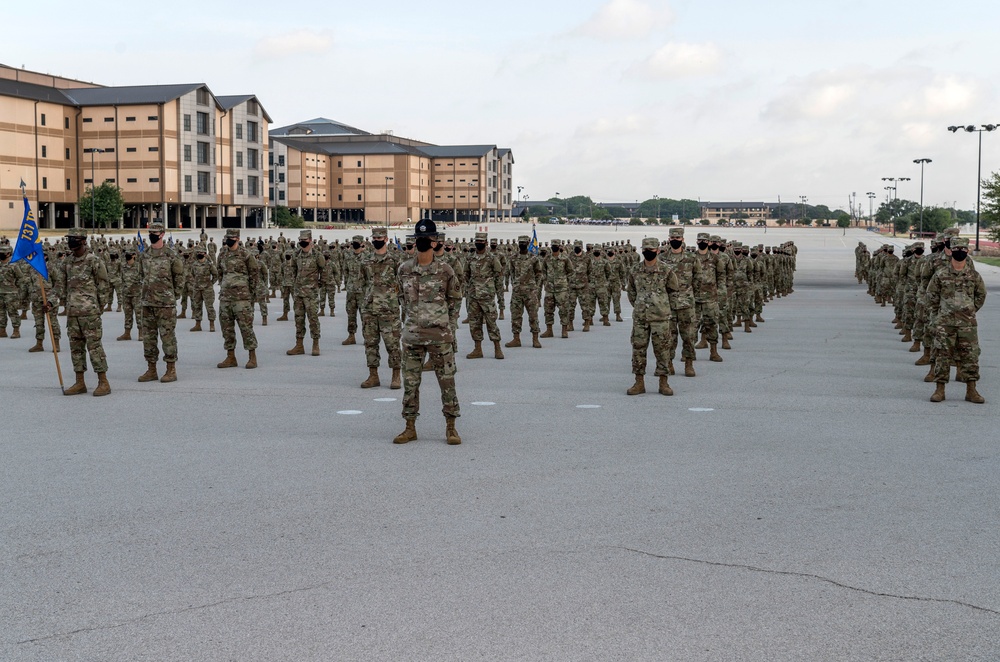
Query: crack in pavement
[[170, 612], [806, 575]]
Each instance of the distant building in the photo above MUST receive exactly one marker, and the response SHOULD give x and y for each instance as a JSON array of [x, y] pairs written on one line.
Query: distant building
[[178, 152], [748, 211]]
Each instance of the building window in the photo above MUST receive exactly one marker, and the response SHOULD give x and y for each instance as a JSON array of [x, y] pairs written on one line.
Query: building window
[[65, 122], [130, 119], [239, 131], [281, 195], [154, 180], [359, 180], [252, 160], [187, 153], [109, 150], [281, 160], [339, 164], [252, 132], [359, 164], [239, 187], [187, 183], [44, 152], [359, 197], [88, 119], [252, 186], [203, 153], [203, 182], [154, 149], [281, 177], [203, 124], [153, 118], [88, 181], [109, 119], [43, 119], [110, 181], [252, 107], [67, 153], [239, 159], [340, 180], [187, 122], [130, 149], [45, 182], [202, 97], [131, 180], [69, 185]]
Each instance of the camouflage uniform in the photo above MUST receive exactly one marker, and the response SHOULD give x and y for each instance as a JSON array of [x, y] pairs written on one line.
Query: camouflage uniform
[[37, 311], [84, 281], [12, 282], [380, 317], [706, 294], [114, 267], [261, 287], [308, 267], [484, 276], [688, 270], [331, 280], [558, 272], [162, 274], [526, 270], [238, 275], [203, 275], [579, 262], [131, 290], [601, 274], [650, 290], [355, 283]]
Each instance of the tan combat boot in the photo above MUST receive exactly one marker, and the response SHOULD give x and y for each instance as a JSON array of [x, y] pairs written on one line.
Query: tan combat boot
[[514, 342], [618, 317], [501, 314], [321, 313], [725, 343], [37, 347], [638, 387], [252, 360], [926, 358], [753, 325], [972, 395], [79, 387], [535, 342], [350, 340], [670, 367], [170, 375], [150, 374], [264, 320], [689, 368], [497, 352], [395, 383], [3, 332], [55, 345], [315, 349], [103, 387], [915, 347], [450, 434], [16, 333], [183, 314], [407, 435], [125, 336], [230, 360], [929, 377], [211, 326], [605, 321], [665, 387], [703, 343], [938, 393], [372, 380], [563, 332], [714, 353], [548, 331], [746, 327], [197, 326], [586, 325], [283, 318], [477, 351], [906, 336], [298, 349]]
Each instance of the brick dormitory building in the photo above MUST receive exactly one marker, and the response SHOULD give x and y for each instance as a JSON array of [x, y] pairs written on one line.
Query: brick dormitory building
[[183, 155]]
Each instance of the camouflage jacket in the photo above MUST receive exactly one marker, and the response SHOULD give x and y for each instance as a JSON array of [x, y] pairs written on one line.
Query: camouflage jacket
[[601, 273], [84, 282], [332, 276], [484, 275], [526, 271], [287, 272], [162, 273], [431, 297], [114, 268], [263, 274], [237, 274], [308, 269], [382, 285], [650, 290], [557, 271], [713, 277], [11, 278], [580, 265], [354, 272], [956, 295], [688, 270], [131, 279], [203, 274]]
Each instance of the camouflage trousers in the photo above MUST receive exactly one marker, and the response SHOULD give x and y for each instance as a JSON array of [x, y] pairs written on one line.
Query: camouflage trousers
[[908, 310], [597, 295], [443, 359], [130, 304], [958, 346], [115, 287], [387, 328], [725, 315], [306, 308], [10, 306], [353, 305], [232, 313], [85, 333], [159, 324], [521, 301], [708, 316], [577, 296], [615, 294], [286, 300], [203, 298], [261, 300], [687, 328], [741, 302], [657, 333], [185, 295], [758, 299], [36, 312], [328, 295], [560, 300], [480, 311]]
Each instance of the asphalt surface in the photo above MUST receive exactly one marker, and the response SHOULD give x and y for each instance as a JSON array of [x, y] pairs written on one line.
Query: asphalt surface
[[802, 500]]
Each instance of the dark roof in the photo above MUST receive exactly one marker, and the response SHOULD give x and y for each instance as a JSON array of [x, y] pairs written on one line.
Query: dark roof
[[13, 88], [318, 127], [127, 96], [348, 149], [737, 205], [228, 102], [537, 203], [446, 151]]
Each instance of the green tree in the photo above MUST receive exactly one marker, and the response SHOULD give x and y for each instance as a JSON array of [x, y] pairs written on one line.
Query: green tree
[[936, 219], [107, 204], [989, 211], [843, 220], [284, 218]]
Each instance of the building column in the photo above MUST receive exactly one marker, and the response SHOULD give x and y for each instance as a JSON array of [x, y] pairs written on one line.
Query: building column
[[76, 214], [241, 212], [177, 216], [50, 215], [163, 212]]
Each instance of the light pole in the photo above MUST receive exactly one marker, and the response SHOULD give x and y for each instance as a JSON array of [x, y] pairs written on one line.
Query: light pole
[[657, 198], [871, 199], [388, 214], [921, 162], [979, 174], [803, 200], [567, 207], [93, 181], [893, 196]]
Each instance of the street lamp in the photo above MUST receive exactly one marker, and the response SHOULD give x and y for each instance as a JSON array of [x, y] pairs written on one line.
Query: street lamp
[[979, 175], [921, 162], [93, 181], [803, 199], [567, 208], [388, 214], [657, 198], [894, 195], [871, 199]]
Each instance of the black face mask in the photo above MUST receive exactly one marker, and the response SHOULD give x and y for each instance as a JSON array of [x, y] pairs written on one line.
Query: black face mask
[[702, 245], [200, 256], [676, 243], [303, 244], [713, 247], [114, 257], [523, 248], [355, 245], [746, 253], [75, 243], [231, 241], [936, 249], [555, 249], [378, 243], [722, 249], [544, 253], [128, 258], [918, 252], [611, 254], [423, 244], [153, 238], [597, 253], [447, 249], [288, 257], [577, 250], [480, 247], [959, 255], [649, 255]]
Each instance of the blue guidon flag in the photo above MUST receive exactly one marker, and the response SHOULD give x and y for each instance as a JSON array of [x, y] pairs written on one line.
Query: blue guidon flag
[[533, 246], [29, 241]]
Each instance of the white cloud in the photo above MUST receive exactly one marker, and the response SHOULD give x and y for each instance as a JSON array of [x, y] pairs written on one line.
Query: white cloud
[[615, 126], [681, 59], [298, 42], [625, 19]]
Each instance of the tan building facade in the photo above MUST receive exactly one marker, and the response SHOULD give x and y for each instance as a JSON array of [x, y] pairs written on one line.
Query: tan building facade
[[179, 153]]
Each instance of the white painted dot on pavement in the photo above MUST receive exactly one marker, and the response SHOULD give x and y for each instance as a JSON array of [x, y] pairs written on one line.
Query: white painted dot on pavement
[[385, 399], [484, 404], [588, 406], [700, 409], [350, 412]]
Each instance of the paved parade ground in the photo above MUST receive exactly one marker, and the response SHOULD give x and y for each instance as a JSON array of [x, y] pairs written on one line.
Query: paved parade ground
[[802, 500]]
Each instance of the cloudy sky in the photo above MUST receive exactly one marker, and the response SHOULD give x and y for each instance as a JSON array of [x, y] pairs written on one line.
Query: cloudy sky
[[617, 99]]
